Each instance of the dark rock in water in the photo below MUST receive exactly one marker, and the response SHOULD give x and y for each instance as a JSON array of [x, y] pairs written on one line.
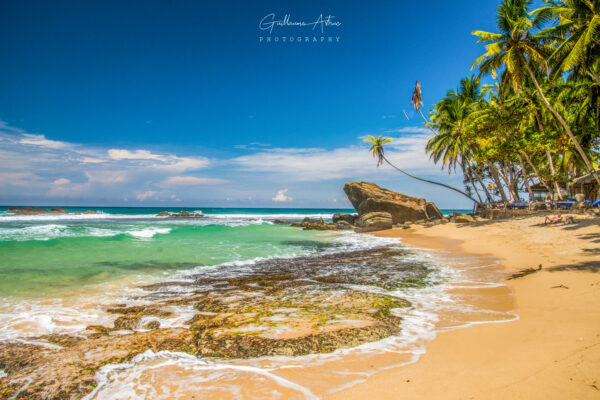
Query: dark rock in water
[[349, 218], [316, 224], [374, 221], [308, 226], [284, 221], [28, 210], [313, 220], [58, 211], [90, 212], [367, 197], [184, 214], [152, 325], [343, 225]]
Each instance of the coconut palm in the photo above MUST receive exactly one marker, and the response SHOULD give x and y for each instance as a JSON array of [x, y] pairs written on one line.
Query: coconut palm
[[578, 33], [378, 151], [516, 48]]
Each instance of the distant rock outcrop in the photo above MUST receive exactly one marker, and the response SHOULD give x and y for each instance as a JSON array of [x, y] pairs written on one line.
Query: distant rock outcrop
[[367, 197], [39, 211], [179, 214]]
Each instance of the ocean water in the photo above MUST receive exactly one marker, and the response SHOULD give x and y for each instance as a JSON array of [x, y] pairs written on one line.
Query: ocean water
[[45, 254], [59, 272]]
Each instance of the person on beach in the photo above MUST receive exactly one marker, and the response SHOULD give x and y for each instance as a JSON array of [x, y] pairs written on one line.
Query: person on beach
[[553, 219]]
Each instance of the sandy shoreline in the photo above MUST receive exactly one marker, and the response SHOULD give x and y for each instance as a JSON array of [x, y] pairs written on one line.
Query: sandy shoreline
[[551, 352]]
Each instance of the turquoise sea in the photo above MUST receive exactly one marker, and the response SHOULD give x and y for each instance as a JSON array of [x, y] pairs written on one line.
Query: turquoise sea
[[45, 254]]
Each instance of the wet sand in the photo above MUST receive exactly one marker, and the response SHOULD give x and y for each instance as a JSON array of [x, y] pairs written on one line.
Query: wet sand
[[551, 352]]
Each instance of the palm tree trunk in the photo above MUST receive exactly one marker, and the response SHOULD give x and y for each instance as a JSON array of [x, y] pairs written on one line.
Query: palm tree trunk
[[487, 193], [556, 187], [525, 177], [428, 181], [536, 172], [561, 120], [467, 171], [496, 179], [503, 172], [478, 178]]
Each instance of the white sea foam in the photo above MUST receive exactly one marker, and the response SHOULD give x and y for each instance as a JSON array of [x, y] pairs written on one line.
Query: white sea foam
[[122, 381], [148, 233]]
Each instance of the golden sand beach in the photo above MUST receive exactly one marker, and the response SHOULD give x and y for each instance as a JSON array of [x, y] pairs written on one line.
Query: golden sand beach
[[551, 352]]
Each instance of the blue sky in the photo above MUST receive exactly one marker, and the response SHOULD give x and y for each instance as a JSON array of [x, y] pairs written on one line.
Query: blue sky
[[181, 103]]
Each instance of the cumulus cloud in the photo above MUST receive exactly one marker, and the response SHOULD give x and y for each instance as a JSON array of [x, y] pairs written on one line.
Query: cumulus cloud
[[165, 162], [41, 141], [61, 181], [189, 181], [93, 160], [121, 154], [281, 196]]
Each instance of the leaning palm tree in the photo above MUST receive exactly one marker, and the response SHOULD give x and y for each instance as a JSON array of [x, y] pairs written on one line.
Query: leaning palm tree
[[516, 47], [378, 151]]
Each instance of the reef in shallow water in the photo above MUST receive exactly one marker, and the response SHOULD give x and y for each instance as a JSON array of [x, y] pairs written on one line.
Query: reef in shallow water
[[289, 307]]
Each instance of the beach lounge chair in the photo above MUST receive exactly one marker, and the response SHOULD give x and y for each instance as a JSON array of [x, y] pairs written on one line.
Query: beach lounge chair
[[565, 204], [518, 205]]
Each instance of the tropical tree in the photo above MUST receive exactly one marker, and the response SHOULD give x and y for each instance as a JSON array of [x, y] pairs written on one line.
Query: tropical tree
[[577, 32], [517, 49], [378, 151]]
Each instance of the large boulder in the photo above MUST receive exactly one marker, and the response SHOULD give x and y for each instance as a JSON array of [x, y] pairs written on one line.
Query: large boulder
[[374, 221], [367, 197]]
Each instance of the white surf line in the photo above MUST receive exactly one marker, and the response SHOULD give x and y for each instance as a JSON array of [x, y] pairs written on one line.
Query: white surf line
[[171, 358]]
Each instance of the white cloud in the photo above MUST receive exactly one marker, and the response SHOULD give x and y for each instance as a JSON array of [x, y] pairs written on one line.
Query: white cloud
[[189, 181], [410, 129], [182, 164], [61, 181], [143, 196], [106, 177], [165, 162], [281, 197], [120, 154], [40, 140], [93, 160]]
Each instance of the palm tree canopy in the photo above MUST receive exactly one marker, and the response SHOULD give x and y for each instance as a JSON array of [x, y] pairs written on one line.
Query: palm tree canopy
[[377, 146], [576, 33], [514, 45]]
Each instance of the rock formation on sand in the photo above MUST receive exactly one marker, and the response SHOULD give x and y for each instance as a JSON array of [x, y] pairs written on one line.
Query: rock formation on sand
[[367, 197], [374, 221]]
